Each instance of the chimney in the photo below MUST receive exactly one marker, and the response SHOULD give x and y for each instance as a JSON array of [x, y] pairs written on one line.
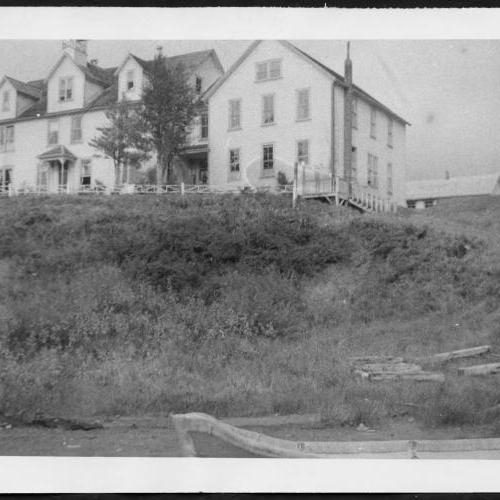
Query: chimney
[[348, 121], [77, 50]]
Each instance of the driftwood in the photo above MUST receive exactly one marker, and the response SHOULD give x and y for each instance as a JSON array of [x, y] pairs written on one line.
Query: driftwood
[[64, 423], [488, 369], [419, 376], [361, 360], [461, 353]]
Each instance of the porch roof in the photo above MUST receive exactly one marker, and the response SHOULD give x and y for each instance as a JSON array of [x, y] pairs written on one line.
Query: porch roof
[[57, 153], [194, 149]]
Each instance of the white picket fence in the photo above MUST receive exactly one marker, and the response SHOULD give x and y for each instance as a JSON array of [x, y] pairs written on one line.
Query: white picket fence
[[182, 189]]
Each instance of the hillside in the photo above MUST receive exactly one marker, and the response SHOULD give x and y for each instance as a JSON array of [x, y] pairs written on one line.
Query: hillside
[[238, 305]]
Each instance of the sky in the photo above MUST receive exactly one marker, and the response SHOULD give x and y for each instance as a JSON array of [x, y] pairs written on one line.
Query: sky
[[448, 90]]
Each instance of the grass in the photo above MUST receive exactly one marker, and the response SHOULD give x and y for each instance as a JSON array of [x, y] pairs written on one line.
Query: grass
[[237, 305]]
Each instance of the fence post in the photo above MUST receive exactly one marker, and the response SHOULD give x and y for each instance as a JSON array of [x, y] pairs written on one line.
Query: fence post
[[294, 192], [182, 189]]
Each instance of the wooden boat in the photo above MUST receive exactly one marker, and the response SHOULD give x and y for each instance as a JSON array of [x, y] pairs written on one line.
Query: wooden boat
[[201, 435]]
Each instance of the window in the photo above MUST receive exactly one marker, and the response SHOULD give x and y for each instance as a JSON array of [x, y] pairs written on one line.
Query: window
[[390, 129], [234, 114], [204, 124], [355, 112], [268, 109], [372, 171], [303, 104], [354, 163], [53, 131], [234, 163], [198, 84], [268, 159], [66, 89], [130, 79], [303, 152], [268, 70], [86, 173], [389, 179], [9, 138], [373, 122], [5, 179], [76, 128], [6, 101]]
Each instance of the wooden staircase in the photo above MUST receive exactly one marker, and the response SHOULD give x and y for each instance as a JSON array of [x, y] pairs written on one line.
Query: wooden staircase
[[362, 198]]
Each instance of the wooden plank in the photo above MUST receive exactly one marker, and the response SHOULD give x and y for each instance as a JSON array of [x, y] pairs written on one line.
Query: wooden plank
[[461, 353], [488, 369], [376, 359], [391, 367], [416, 376]]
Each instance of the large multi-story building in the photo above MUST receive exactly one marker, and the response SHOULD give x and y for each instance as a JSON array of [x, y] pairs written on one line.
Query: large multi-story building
[[276, 107], [46, 125]]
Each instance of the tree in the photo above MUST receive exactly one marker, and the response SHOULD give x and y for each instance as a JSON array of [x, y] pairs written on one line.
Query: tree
[[170, 105], [125, 140]]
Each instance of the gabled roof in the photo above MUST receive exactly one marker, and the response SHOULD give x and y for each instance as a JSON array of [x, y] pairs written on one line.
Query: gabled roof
[[23, 88], [191, 61], [320, 66], [100, 76], [57, 153], [454, 186]]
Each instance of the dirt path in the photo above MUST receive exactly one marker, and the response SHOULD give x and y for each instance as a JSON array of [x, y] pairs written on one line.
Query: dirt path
[[154, 437]]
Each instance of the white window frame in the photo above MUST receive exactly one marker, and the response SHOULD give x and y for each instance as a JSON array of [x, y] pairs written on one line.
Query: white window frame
[[204, 124], [390, 179], [301, 156], [6, 100], [268, 115], [390, 132], [49, 131], [234, 118], [302, 115], [130, 79], [373, 122], [86, 162], [66, 89], [3, 183], [198, 84], [234, 164], [10, 144], [266, 171], [264, 69], [76, 140], [372, 171]]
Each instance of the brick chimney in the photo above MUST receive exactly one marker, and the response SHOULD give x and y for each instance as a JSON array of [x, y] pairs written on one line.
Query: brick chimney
[[77, 50], [348, 120]]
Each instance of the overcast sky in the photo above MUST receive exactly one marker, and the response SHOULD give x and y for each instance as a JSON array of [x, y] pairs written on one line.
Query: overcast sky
[[448, 90]]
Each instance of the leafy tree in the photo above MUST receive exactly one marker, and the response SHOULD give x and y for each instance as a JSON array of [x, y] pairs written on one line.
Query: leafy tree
[[125, 139], [169, 106]]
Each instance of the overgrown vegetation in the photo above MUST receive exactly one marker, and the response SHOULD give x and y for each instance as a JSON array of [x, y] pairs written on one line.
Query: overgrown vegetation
[[237, 305]]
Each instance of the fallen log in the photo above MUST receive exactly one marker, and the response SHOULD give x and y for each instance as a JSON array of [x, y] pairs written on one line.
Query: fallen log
[[460, 353], [420, 376], [64, 423], [488, 369], [361, 360], [391, 367]]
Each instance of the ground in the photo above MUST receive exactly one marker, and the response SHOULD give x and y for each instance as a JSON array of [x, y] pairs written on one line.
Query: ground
[[239, 306]]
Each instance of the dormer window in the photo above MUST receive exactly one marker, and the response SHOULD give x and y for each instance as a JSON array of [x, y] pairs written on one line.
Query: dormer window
[[130, 80], [198, 84], [66, 89], [6, 101], [268, 70]]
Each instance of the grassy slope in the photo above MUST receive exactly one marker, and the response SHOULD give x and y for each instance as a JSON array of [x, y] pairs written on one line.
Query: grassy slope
[[239, 306]]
